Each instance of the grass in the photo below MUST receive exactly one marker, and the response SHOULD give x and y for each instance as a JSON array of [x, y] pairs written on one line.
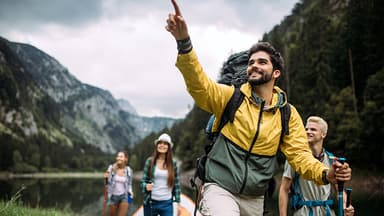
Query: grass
[[14, 207]]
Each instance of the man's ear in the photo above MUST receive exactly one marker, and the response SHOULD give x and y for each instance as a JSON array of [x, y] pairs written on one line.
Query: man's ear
[[323, 135], [276, 74]]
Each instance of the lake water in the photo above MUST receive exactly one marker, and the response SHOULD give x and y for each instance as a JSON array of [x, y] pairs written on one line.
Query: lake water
[[84, 196]]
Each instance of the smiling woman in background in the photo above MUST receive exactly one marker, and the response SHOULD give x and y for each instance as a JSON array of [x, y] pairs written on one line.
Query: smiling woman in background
[[119, 182], [160, 182]]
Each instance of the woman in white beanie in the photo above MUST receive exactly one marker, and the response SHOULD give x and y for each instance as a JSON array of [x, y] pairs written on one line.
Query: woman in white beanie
[[160, 182]]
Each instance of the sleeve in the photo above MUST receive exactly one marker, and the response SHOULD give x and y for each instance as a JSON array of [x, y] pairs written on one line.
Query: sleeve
[[176, 189], [288, 171], [145, 175], [110, 174], [130, 173], [109, 183], [207, 93], [298, 154]]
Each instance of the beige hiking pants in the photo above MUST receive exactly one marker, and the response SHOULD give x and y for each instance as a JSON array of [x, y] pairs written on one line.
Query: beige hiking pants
[[217, 201]]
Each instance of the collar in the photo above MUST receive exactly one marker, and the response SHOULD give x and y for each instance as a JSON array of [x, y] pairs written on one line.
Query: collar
[[321, 156], [258, 100], [279, 98]]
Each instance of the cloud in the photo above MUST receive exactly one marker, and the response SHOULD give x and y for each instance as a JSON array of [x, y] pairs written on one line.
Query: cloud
[[122, 46], [31, 15]]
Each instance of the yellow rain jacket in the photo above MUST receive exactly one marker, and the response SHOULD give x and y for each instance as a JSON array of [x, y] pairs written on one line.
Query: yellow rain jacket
[[235, 163]]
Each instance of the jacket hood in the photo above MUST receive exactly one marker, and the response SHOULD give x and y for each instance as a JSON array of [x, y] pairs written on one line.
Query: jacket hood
[[279, 96]]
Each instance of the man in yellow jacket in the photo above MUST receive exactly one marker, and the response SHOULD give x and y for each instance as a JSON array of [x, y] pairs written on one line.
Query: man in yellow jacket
[[243, 158]]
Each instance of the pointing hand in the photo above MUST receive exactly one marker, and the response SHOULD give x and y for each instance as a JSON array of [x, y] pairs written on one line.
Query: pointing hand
[[176, 24]]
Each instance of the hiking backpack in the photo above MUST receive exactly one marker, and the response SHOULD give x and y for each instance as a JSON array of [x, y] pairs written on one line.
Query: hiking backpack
[[296, 200]]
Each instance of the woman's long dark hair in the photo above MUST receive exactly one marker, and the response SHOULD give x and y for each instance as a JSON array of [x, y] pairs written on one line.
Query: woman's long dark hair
[[168, 163]]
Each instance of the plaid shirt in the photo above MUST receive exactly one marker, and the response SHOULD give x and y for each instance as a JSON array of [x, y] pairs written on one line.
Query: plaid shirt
[[176, 187]]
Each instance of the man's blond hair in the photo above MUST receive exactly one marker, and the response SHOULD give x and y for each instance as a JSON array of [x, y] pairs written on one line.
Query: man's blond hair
[[323, 124]]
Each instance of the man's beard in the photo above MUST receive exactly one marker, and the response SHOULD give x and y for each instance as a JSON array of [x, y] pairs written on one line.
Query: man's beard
[[266, 77]]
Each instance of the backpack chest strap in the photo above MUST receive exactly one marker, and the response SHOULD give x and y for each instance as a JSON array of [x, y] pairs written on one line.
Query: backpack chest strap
[[313, 203]]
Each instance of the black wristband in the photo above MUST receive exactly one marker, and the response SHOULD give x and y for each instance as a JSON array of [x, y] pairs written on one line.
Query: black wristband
[[324, 177], [184, 45]]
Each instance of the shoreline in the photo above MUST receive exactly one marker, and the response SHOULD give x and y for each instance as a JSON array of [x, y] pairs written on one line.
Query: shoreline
[[10, 175], [361, 180]]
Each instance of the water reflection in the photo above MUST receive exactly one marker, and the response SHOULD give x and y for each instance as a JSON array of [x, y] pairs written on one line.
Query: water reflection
[[81, 196], [71, 194]]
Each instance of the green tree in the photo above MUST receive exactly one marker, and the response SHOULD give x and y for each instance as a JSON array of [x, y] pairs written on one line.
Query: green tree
[[344, 126], [133, 161], [372, 117], [16, 156]]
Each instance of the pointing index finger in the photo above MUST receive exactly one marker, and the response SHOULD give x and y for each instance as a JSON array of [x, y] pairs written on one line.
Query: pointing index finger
[[176, 6]]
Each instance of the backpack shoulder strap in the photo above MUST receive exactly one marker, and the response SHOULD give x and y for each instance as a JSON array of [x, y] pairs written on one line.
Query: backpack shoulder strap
[[295, 183], [129, 171], [231, 108], [285, 112], [330, 155], [111, 173]]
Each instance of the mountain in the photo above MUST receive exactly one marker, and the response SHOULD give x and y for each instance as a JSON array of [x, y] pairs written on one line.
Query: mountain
[[40, 101], [126, 106], [144, 125]]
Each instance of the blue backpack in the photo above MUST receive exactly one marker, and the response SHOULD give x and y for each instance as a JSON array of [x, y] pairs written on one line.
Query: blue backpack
[[297, 201]]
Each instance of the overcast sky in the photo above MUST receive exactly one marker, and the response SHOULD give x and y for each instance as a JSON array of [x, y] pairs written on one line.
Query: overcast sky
[[122, 45]]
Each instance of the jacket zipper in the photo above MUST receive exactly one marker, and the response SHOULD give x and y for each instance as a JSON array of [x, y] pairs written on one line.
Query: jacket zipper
[[251, 147]]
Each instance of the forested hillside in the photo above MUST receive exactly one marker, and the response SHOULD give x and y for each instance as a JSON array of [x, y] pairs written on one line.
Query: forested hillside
[[51, 121], [334, 69]]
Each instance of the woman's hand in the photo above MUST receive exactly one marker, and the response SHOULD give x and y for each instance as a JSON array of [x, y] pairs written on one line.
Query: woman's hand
[[149, 186]]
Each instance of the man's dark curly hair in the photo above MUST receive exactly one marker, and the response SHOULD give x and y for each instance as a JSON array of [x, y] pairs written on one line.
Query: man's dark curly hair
[[276, 58]]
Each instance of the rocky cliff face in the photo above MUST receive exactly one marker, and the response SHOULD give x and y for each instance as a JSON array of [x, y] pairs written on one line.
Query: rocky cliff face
[[126, 106], [40, 97]]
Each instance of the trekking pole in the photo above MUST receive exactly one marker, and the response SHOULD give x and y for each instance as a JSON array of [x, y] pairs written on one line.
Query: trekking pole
[[150, 197], [105, 196], [150, 201], [349, 198], [340, 187]]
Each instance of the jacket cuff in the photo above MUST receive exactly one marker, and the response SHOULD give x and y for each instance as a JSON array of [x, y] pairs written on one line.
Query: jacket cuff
[[184, 45]]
